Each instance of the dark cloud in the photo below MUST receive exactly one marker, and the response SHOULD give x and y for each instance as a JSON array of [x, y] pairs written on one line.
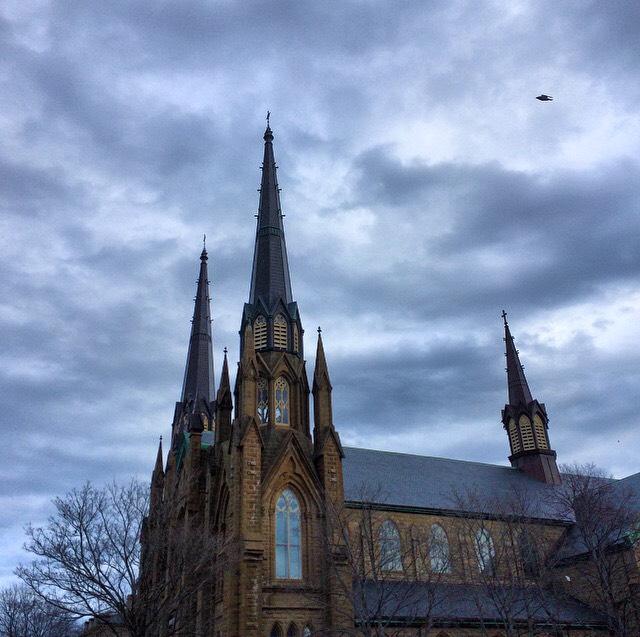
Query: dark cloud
[[425, 190]]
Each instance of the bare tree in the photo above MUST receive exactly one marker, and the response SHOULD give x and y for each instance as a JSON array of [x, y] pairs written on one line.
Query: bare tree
[[22, 614], [88, 558], [508, 556], [383, 576], [598, 561]]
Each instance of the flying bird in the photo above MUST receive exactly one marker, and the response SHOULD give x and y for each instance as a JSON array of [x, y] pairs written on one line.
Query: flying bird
[[544, 98]]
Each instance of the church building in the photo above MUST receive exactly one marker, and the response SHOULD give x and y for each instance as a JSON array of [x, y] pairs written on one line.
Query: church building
[[292, 534]]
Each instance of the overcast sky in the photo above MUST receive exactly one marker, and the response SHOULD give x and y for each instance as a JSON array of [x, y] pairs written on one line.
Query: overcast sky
[[424, 187]]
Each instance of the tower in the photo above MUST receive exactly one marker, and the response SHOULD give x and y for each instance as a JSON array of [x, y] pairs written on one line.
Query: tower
[[525, 421], [272, 371]]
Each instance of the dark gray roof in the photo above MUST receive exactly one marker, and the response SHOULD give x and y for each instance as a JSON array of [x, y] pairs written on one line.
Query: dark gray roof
[[448, 603], [406, 480]]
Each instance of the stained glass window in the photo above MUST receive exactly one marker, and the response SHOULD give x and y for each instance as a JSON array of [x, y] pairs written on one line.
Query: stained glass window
[[293, 631], [276, 631], [439, 550], [528, 555], [389, 538], [288, 558], [282, 401], [262, 397], [306, 631]]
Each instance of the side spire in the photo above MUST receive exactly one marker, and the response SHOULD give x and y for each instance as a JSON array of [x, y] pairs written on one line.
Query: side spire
[[519, 392], [270, 279], [158, 471], [525, 421], [198, 384]]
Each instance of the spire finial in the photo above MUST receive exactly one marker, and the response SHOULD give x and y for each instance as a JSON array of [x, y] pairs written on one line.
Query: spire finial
[[319, 330], [268, 118], [504, 318], [203, 255], [225, 350]]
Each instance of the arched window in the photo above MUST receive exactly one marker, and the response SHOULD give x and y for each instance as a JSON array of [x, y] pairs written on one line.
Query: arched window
[[527, 433], [514, 438], [485, 552], [293, 631], [276, 631], [260, 332], [262, 398], [528, 555], [439, 550], [538, 427], [288, 560], [306, 631], [280, 332], [390, 550], [282, 401]]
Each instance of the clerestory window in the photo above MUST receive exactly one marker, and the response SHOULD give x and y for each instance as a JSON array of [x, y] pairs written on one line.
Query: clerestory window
[[485, 552], [390, 550], [288, 534], [439, 550]]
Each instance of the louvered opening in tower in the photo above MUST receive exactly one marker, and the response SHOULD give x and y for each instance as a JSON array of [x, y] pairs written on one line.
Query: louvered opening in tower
[[541, 438], [280, 332], [260, 332]]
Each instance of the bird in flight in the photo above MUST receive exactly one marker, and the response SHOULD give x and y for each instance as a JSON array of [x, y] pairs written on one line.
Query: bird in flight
[[544, 98]]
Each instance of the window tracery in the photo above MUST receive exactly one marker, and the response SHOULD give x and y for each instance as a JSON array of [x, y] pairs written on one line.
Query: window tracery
[[288, 553], [390, 549], [262, 400], [439, 550], [485, 552], [282, 401]]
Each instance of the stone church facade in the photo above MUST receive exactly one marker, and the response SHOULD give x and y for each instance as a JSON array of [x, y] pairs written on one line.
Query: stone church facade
[[306, 537]]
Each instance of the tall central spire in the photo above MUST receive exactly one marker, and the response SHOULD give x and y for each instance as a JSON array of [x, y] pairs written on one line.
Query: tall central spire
[[270, 279]]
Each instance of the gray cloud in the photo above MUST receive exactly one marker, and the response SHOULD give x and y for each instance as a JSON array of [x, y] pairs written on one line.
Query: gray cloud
[[424, 187]]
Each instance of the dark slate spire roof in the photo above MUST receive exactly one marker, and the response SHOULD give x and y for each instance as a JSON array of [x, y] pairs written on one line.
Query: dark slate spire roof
[[198, 376], [225, 386], [270, 279], [519, 392]]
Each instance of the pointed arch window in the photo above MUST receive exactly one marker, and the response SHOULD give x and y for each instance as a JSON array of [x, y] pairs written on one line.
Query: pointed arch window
[[280, 339], [260, 332], [306, 632], [541, 438], [439, 550], [528, 555], [282, 401], [485, 552], [276, 631], [262, 399], [292, 631], [390, 550], [514, 438], [288, 555], [527, 433]]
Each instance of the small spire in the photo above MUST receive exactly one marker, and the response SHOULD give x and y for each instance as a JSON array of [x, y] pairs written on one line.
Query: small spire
[[519, 392], [321, 371], [157, 470], [198, 384]]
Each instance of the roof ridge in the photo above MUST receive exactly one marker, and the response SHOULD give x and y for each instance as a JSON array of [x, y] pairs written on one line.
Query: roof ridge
[[417, 455]]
